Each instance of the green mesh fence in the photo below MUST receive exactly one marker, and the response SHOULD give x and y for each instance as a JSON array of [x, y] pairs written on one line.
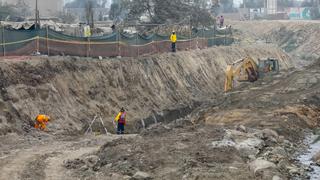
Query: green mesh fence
[[47, 41]]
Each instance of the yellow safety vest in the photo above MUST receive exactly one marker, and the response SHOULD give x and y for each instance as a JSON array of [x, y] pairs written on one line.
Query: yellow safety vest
[[173, 38]]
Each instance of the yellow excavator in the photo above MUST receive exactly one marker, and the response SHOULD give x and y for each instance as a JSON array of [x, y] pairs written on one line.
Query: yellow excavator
[[246, 69]]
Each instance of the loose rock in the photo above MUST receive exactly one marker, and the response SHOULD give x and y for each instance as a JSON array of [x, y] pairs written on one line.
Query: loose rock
[[141, 176]]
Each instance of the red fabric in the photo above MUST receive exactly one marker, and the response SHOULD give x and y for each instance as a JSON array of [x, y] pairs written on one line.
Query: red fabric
[[122, 119]]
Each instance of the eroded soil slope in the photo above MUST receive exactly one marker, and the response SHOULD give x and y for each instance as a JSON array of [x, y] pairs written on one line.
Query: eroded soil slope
[[73, 90], [253, 133]]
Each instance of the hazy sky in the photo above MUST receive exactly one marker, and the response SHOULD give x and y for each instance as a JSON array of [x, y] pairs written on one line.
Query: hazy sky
[[237, 3]]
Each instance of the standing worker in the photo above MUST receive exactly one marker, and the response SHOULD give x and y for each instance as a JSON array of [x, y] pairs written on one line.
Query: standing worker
[[121, 120], [173, 39], [221, 21], [41, 121]]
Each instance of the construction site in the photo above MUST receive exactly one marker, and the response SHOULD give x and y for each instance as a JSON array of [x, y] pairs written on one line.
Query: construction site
[[234, 101]]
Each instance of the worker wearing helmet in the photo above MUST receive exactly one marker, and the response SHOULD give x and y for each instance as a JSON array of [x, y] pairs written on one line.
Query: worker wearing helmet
[[121, 120], [41, 121], [173, 39]]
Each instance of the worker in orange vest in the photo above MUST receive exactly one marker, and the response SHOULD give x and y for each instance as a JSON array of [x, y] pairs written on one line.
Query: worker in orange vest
[[41, 121]]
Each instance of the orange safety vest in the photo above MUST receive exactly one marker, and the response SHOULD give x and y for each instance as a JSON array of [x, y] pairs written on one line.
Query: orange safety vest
[[41, 118]]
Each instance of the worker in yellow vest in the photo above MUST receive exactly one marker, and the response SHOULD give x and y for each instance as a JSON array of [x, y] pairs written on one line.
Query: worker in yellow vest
[[121, 120], [173, 39]]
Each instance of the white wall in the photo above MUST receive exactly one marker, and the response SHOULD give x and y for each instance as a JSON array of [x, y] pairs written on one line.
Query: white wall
[[271, 6]]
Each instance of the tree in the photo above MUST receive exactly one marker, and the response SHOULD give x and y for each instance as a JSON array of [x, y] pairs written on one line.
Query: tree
[[22, 9], [90, 13], [227, 5], [114, 11], [119, 9], [16, 12], [170, 11], [67, 18], [82, 4], [315, 14], [6, 11]]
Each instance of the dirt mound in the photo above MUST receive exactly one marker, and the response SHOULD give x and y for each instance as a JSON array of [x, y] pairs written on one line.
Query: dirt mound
[[179, 153], [73, 90], [299, 38]]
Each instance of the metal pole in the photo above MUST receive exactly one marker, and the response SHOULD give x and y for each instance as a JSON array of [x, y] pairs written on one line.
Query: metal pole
[[88, 47], [190, 32], [214, 34], [47, 38], [225, 37], [137, 36], [38, 50], [203, 36], [3, 42], [119, 33], [118, 39], [36, 15], [152, 43]]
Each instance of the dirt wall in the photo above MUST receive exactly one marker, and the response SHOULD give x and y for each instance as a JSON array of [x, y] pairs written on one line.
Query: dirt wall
[[72, 90]]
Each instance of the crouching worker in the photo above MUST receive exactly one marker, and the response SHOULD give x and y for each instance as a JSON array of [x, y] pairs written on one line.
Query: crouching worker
[[41, 121], [121, 120]]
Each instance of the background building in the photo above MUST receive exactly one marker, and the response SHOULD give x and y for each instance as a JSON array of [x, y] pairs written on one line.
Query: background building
[[271, 6]]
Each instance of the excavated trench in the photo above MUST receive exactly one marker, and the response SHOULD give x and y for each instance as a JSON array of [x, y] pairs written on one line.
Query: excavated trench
[[156, 89], [166, 116], [153, 89]]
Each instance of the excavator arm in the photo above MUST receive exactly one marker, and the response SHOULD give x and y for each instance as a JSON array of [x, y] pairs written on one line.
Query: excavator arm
[[242, 70]]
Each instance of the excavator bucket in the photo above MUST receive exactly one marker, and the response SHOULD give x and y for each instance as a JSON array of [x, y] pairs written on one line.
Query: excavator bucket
[[229, 79]]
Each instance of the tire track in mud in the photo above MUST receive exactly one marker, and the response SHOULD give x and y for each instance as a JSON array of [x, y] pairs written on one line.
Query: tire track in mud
[[17, 166], [46, 161], [34, 170], [35, 163], [55, 169]]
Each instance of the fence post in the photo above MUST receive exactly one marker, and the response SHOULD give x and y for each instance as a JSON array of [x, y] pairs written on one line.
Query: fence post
[[155, 42], [118, 39], [3, 42], [137, 36], [214, 34], [225, 37], [152, 44], [231, 35], [47, 39], [88, 47], [37, 45], [203, 36]]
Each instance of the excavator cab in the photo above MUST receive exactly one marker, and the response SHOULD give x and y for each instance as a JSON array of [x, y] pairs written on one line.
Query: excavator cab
[[268, 66]]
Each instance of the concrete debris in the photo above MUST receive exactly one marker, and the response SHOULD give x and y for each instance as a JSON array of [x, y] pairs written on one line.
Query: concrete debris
[[260, 165], [141, 176]]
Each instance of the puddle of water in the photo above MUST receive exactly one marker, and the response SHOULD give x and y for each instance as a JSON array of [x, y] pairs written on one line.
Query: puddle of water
[[306, 158]]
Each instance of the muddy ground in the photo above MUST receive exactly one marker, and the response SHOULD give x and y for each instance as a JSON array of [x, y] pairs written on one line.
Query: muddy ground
[[266, 121], [218, 142], [190, 129]]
